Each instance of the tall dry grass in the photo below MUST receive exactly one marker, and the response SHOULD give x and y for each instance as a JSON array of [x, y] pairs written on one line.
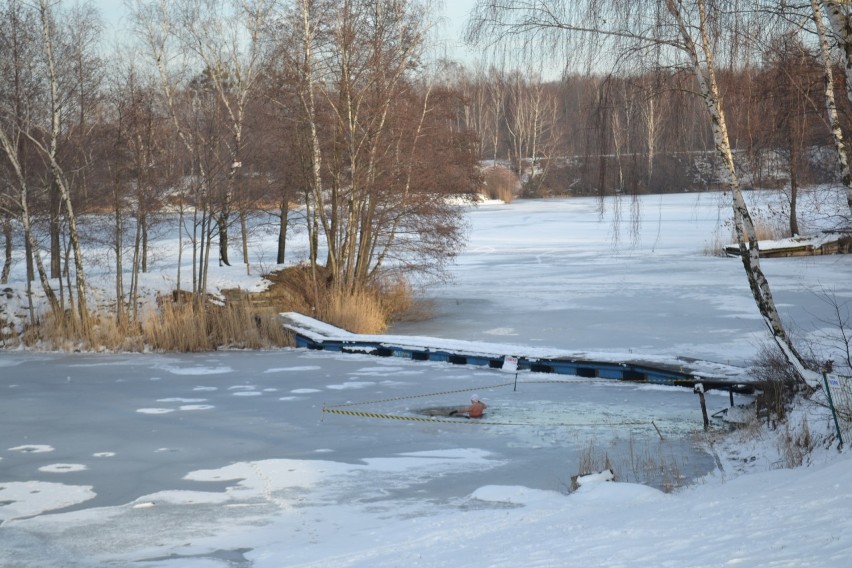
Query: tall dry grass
[[65, 331], [500, 183], [369, 309], [194, 326], [182, 323], [181, 327], [648, 463], [358, 312]]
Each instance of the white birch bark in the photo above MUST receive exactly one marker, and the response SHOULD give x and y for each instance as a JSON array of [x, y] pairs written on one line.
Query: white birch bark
[[744, 227], [841, 25], [50, 152], [9, 148]]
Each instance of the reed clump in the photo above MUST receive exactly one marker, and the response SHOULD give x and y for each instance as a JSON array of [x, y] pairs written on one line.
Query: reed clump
[[195, 326], [369, 308], [647, 463]]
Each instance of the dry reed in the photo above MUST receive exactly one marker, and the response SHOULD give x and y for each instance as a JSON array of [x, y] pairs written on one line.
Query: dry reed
[[500, 183]]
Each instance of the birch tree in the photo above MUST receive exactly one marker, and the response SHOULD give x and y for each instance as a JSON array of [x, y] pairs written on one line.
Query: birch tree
[[226, 36], [192, 105], [366, 114], [690, 33], [841, 23]]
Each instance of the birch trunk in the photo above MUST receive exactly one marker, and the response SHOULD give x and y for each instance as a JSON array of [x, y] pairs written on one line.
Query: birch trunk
[[841, 25], [7, 249], [56, 169], [315, 184], [743, 225], [33, 252]]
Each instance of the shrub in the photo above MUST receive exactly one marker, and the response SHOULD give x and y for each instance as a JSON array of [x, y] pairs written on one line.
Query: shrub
[[777, 381], [500, 183], [359, 312]]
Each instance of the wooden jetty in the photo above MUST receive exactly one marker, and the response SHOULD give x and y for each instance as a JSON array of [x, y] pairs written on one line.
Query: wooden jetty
[[829, 242], [685, 372]]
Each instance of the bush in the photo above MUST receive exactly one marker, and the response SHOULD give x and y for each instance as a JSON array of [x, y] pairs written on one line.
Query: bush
[[777, 382], [500, 183]]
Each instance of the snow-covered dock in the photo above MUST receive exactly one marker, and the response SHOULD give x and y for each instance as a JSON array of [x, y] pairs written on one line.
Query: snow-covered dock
[[310, 333]]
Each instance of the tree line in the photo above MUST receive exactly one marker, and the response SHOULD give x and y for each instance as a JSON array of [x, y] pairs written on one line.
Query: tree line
[[219, 109], [334, 114], [701, 38]]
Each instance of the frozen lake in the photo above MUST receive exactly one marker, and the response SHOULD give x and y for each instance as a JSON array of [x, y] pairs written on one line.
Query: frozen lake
[[134, 425], [134, 435], [227, 459]]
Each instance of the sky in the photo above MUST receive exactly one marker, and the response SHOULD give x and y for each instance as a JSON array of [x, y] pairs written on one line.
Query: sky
[[450, 24]]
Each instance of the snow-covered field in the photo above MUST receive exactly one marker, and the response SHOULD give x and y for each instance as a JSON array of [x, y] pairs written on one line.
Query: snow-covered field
[[227, 459]]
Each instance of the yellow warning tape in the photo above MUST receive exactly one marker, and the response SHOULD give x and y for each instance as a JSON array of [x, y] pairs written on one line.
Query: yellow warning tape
[[337, 408], [402, 417], [456, 391], [331, 410]]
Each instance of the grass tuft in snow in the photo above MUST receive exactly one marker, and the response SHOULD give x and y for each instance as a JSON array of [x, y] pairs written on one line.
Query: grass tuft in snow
[[648, 463]]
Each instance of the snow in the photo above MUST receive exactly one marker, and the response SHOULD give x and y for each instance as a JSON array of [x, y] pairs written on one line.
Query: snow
[[116, 460]]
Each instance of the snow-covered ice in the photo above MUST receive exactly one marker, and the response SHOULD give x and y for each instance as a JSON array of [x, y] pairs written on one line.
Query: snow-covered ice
[[115, 460]]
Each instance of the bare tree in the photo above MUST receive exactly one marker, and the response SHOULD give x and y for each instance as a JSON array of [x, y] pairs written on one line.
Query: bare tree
[[48, 146], [364, 115], [226, 36], [839, 17], [195, 109], [695, 30]]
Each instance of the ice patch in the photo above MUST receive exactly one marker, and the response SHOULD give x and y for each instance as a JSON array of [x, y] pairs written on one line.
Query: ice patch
[[30, 498], [290, 398], [206, 389], [502, 331], [197, 407], [247, 393], [293, 369], [63, 468], [351, 385], [32, 449], [198, 370], [177, 497], [304, 391], [181, 400], [154, 410], [103, 454], [241, 387], [384, 371], [270, 390]]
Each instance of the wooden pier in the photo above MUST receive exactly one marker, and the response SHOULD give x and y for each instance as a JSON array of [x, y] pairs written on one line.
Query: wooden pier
[[684, 372]]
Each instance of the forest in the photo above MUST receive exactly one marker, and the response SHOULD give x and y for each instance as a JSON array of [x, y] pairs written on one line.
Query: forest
[[337, 115]]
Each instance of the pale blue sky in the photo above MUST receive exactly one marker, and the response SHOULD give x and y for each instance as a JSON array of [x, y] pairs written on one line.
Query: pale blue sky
[[450, 24]]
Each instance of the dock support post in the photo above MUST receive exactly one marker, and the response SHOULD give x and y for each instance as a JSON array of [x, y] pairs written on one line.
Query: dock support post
[[731, 394], [699, 388]]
